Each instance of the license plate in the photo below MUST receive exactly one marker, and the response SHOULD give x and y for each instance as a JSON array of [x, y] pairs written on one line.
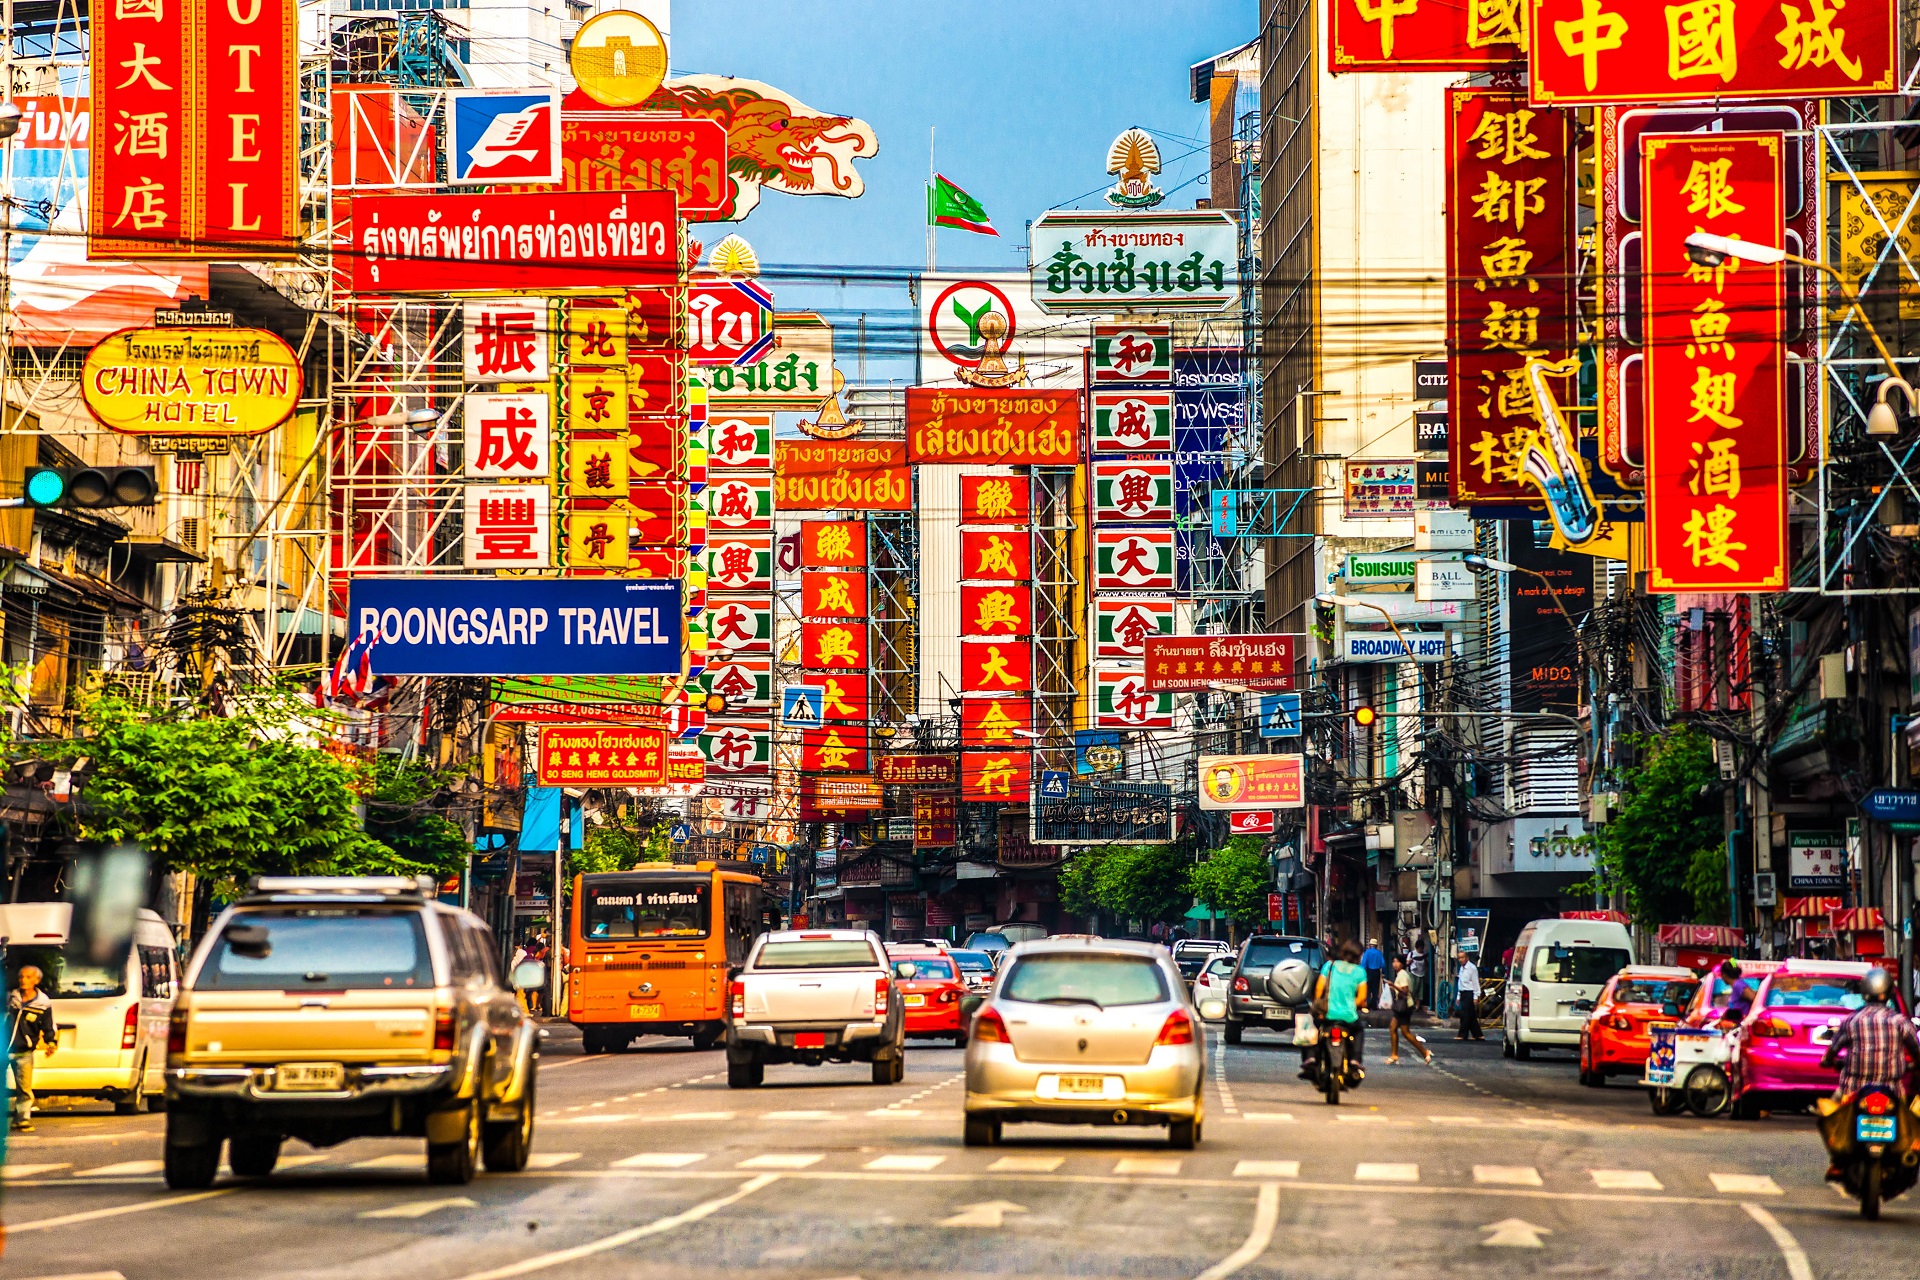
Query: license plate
[[916, 1002], [809, 1039], [1873, 1128], [644, 1011], [1083, 1086], [309, 1077], [1659, 1026]]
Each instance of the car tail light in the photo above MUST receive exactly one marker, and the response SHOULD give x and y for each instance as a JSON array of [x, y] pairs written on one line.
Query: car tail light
[[1620, 1022], [177, 1032], [1876, 1103], [1526, 1002], [949, 996], [1177, 1029], [879, 996], [1772, 1029], [1241, 984], [990, 1026], [130, 1031], [443, 1030], [1333, 1035], [739, 999]]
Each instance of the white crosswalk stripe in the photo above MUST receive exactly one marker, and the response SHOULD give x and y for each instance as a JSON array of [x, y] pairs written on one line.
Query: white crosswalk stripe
[[551, 1159], [798, 1115], [1386, 1173], [391, 1162], [1267, 1169], [1159, 1165], [1745, 1184], [906, 1164], [1507, 1175], [782, 1160], [14, 1172], [1268, 1117], [127, 1169], [1026, 1164], [660, 1160], [1625, 1180]]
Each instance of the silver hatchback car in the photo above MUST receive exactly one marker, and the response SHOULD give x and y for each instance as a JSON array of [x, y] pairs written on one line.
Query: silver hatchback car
[[1086, 1032]]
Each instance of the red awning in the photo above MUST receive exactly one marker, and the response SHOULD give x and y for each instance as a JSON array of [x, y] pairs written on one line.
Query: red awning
[[1616, 917], [1707, 936], [1858, 920], [1806, 908]]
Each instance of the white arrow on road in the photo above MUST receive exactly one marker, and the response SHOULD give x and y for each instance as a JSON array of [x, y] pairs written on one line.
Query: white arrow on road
[[1515, 1233], [988, 1213], [419, 1208]]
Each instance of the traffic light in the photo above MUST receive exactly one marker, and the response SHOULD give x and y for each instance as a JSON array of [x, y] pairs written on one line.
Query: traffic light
[[91, 487], [1364, 716]]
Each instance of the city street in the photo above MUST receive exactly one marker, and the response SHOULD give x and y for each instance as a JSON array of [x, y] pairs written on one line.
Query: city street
[[646, 1164]]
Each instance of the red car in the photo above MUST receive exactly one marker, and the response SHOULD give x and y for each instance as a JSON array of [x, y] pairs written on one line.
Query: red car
[[930, 990], [1618, 1034]]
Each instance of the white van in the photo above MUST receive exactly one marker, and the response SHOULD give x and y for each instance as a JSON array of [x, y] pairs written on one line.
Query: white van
[[112, 1025], [1557, 965]]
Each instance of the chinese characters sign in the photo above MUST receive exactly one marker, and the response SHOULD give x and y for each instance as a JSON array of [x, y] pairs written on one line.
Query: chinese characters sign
[[853, 475], [1425, 35], [603, 756], [995, 500], [1716, 482], [1509, 273], [1009, 428], [1587, 51]]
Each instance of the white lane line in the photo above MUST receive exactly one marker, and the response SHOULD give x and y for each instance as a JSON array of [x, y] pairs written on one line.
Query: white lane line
[[895, 1110], [1455, 1120], [1507, 1175], [1625, 1180], [561, 1064], [1268, 1117], [1220, 1077], [390, 1162], [541, 1262], [1351, 1118], [1158, 1165], [94, 1215], [125, 1169], [1745, 1184], [660, 1160], [83, 1275], [1386, 1173], [419, 1208], [797, 1115], [551, 1159], [1798, 1268], [1266, 1214], [1026, 1164], [14, 1171], [906, 1164], [782, 1160], [1267, 1169]]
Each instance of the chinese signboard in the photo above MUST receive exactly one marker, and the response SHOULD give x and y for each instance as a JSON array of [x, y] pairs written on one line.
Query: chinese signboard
[[995, 500], [1253, 782], [1588, 51], [1200, 662], [1716, 479], [602, 756], [1123, 700], [936, 817], [608, 150], [1133, 560], [1133, 491], [1425, 35], [1816, 860], [227, 382], [1006, 776], [918, 771], [1132, 353], [1132, 421], [1004, 427], [1121, 626], [855, 475], [1509, 291], [1376, 488], [1178, 260], [506, 340]]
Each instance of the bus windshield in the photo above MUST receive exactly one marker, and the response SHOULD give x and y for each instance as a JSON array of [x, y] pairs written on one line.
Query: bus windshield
[[652, 908]]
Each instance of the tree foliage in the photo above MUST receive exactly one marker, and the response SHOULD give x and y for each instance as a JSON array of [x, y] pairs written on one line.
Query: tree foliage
[[1132, 881], [1234, 880], [1665, 845], [616, 848], [404, 813]]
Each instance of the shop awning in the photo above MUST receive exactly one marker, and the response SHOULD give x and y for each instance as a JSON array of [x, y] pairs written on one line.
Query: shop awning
[[1708, 937], [1806, 908], [1858, 920]]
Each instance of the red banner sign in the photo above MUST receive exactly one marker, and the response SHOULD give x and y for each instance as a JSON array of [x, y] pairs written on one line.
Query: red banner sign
[[545, 242], [833, 544], [979, 424], [1002, 723], [1510, 283], [996, 666], [610, 150], [936, 818], [1006, 776], [996, 611], [1425, 35], [834, 646], [1200, 662], [1716, 475], [852, 475], [197, 149], [919, 771], [996, 500], [603, 756], [1253, 782], [1637, 51], [833, 749], [826, 594], [996, 555]]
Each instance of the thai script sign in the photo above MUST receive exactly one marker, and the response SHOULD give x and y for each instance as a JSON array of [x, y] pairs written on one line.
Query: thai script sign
[[1425, 35], [796, 375], [1179, 260], [1253, 782], [549, 242], [1200, 662], [827, 475], [1008, 427], [919, 771], [609, 150], [218, 382], [602, 756], [448, 626]]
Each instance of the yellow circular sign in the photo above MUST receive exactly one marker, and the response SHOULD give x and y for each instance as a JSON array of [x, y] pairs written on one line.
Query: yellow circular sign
[[619, 58], [1226, 782], [191, 381]]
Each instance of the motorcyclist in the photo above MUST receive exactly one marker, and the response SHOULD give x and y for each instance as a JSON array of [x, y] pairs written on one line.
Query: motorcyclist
[[1876, 1045], [1339, 989]]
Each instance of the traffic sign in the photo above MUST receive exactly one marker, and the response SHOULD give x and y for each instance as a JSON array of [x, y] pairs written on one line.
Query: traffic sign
[[802, 704], [1890, 803], [729, 323], [1053, 784], [682, 833], [1280, 715]]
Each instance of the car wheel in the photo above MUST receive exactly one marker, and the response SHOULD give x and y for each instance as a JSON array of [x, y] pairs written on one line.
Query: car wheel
[[453, 1164], [590, 1041], [1746, 1107], [156, 1102], [1183, 1135], [1234, 1031], [253, 1155], [981, 1132], [1707, 1092], [745, 1075], [1506, 1045], [883, 1070], [1522, 1050], [192, 1151], [510, 1142], [960, 1040], [127, 1106], [709, 1036]]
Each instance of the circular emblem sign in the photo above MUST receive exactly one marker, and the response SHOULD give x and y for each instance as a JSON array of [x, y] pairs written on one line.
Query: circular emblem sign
[[619, 58], [954, 323], [191, 382]]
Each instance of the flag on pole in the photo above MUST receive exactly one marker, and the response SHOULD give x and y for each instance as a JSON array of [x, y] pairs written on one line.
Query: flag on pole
[[949, 206]]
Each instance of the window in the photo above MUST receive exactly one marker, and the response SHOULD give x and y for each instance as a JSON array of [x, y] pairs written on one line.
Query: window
[[826, 953], [1814, 991], [1668, 994], [462, 950], [62, 980], [1082, 979], [1264, 953], [335, 949], [156, 973], [742, 903], [925, 969], [612, 911], [1577, 965]]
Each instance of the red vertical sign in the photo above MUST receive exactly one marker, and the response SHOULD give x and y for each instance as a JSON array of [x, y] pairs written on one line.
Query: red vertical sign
[[1509, 282], [252, 68], [143, 146], [1425, 35], [1716, 480]]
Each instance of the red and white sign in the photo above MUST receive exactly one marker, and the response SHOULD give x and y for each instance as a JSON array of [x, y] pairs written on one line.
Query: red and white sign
[[1259, 661], [508, 526], [507, 340], [1251, 823], [508, 434], [728, 322]]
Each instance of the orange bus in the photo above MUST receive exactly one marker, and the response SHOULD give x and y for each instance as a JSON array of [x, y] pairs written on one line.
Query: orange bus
[[653, 949]]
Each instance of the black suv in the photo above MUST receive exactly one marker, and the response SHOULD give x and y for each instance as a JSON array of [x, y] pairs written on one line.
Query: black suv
[[1248, 1003]]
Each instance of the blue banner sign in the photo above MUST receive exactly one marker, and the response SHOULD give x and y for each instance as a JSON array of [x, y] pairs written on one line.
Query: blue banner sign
[[437, 626], [1889, 804]]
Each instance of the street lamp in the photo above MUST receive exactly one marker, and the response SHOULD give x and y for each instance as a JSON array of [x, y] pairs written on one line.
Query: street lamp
[[1379, 609]]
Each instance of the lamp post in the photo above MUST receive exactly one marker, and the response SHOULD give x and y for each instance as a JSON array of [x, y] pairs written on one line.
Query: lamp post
[[1475, 561]]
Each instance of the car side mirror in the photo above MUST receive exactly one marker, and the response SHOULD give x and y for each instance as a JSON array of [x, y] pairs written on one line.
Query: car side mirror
[[1213, 1009], [529, 975], [249, 940]]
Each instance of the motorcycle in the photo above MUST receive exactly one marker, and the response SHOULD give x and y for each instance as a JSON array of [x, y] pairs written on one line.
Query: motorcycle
[[1333, 1061], [1871, 1136]]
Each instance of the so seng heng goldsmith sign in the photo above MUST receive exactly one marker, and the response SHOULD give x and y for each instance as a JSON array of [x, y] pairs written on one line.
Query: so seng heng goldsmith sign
[[603, 756]]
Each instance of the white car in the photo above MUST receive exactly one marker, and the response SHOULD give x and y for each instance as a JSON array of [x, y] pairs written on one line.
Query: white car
[[1559, 967], [1214, 982]]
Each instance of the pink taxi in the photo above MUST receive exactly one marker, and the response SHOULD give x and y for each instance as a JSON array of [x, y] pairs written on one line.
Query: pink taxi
[[1776, 1052]]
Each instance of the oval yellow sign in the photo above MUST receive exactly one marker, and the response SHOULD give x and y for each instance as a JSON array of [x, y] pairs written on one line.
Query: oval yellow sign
[[196, 382]]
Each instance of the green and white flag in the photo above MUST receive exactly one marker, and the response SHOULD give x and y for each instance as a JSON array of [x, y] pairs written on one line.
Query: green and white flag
[[949, 206]]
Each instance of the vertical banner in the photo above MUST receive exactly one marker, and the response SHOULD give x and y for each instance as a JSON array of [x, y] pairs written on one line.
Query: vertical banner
[[1716, 480], [248, 93], [1509, 283], [141, 152]]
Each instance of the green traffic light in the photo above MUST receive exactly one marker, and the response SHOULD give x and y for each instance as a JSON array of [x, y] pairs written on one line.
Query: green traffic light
[[45, 486]]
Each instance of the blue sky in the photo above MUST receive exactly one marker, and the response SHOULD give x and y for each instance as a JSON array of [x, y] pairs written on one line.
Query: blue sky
[[1025, 98]]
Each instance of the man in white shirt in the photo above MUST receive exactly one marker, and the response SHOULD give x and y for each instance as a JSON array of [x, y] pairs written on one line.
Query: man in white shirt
[[1466, 987]]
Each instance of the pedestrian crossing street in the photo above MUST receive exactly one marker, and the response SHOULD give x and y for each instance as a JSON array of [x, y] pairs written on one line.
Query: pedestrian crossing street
[[973, 1163]]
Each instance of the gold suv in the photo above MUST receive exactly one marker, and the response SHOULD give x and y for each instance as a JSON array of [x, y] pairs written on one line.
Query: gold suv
[[329, 1008]]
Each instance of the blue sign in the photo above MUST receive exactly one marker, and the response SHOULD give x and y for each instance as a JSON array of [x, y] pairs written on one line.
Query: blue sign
[[1097, 751], [1195, 367], [1889, 804], [1279, 715], [1053, 784], [434, 626], [681, 833], [803, 704], [761, 855], [502, 137], [1226, 513]]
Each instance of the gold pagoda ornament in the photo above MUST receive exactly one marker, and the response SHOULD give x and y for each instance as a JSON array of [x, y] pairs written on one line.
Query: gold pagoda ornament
[[1134, 160]]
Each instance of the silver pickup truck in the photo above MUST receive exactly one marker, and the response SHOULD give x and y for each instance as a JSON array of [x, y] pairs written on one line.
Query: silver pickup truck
[[813, 996]]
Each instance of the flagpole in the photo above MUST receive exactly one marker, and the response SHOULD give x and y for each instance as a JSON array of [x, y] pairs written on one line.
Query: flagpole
[[930, 226]]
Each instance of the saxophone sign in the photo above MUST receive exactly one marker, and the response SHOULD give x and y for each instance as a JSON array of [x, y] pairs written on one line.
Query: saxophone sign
[[191, 381]]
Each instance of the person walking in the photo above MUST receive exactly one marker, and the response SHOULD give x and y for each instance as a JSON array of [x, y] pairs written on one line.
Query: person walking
[[29, 1027], [1374, 961], [1466, 989], [1417, 970], [1403, 1015]]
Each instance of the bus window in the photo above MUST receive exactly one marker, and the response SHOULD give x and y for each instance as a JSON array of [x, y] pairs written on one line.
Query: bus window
[[654, 909]]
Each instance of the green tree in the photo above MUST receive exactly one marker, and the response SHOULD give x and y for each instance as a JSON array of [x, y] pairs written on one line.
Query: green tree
[[404, 813], [1079, 880], [1234, 880], [612, 847], [1661, 848]]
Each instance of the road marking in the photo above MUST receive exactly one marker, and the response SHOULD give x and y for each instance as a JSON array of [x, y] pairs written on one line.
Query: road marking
[[84, 1275], [1266, 1213], [798, 1115], [1745, 1184], [541, 1262], [782, 1160], [1345, 1117], [1625, 1180], [895, 1110], [1386, 1173], [125, 1169], [389, 1162], [94, 1215], [906, 1164], [660, 1160], [419, 1208], [1507, 1175], [547, 1065], [988, 1213], [551, 1159], [1158, 1165], [1026, 1164], [1220, 1077], [1268, 1117], [1515, 1233], [1267, 1169], [1455, 1120], [1798, 1268], [13, 1171]]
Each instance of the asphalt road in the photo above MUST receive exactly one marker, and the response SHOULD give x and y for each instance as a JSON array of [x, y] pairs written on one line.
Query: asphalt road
[[647, 1165]]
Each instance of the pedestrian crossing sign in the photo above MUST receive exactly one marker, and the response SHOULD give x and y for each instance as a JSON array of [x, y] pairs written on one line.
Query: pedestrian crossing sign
[[802, 704], [1280, 715], [1053, 784]]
